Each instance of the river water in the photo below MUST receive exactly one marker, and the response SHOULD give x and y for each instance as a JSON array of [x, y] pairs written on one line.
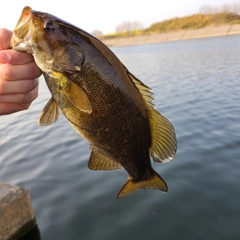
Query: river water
[[196, 85]]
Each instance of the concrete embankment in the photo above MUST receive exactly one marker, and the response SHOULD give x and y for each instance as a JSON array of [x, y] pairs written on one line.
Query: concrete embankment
[[16, 212], [175, 36]]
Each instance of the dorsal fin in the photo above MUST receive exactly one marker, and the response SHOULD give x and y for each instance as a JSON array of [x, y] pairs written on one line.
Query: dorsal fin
[[144, 90], [164, 143], [99, 161]]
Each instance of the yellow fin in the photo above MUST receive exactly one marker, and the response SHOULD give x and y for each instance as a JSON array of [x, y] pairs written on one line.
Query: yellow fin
[[144, 90], [131, 185], [164, 143], [49, 114], [78, 97], [99, 161], [73, 92]]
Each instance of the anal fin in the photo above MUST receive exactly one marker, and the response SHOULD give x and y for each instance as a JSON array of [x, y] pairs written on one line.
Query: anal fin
[[131, 185], [99, 161]]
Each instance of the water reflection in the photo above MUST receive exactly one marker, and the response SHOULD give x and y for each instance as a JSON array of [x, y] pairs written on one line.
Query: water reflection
[[196, 86]]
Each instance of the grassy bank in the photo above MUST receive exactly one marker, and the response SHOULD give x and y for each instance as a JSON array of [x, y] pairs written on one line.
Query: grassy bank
[[195, 21]]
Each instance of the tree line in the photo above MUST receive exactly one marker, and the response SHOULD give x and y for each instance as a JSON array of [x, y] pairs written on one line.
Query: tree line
[[226, 8]]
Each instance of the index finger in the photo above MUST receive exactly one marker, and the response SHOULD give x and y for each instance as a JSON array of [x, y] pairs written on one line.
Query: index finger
[[15, 57]]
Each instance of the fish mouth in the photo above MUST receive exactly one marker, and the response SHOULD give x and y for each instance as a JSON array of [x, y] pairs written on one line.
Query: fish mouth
[[21, 38]]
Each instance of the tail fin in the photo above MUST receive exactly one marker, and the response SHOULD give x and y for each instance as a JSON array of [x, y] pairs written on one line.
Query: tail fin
[[131, 185]]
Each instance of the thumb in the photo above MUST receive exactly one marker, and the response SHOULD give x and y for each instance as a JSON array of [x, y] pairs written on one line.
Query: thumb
[[5, 37]]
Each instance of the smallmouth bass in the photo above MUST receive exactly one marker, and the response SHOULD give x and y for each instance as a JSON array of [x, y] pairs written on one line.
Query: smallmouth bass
[[100, 98]]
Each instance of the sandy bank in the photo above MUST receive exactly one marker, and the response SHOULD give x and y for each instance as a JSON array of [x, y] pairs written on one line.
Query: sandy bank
[[175, 36]]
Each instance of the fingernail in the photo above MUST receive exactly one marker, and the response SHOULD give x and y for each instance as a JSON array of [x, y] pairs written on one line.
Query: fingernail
[[3, 57]]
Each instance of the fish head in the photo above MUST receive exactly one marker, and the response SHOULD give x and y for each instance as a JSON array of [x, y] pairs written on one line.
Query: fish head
[[49, 39]]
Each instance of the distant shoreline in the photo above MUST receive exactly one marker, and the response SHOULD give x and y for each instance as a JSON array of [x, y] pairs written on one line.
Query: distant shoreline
[[175, 36]]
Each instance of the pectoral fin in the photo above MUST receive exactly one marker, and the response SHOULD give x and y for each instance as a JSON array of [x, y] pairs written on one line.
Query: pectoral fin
[[99, 161], [49, 114], [131, 185], [72, 91], [78, 97]]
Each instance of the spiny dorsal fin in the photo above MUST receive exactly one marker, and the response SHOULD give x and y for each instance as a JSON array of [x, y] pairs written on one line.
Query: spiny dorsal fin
[[164, 143], [49, 114], [99, 161], [131, 185], [144, 90]]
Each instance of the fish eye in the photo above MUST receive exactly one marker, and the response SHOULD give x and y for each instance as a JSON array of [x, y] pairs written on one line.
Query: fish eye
[[49, 26]]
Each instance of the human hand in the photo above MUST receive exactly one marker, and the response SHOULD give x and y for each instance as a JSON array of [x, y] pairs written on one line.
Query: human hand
[[18, 77]]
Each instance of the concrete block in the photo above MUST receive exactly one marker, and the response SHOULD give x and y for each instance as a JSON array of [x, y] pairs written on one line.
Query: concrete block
[[235, 29], [16, 212]]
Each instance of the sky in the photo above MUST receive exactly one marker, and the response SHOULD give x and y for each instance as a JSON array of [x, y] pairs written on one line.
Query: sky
[[105, 15]]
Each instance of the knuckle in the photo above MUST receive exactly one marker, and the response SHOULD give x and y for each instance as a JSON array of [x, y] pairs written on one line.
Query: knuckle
[[34, 94], [29, 86], [24, 98], [36, 72], [25, 106], [29, 97]]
